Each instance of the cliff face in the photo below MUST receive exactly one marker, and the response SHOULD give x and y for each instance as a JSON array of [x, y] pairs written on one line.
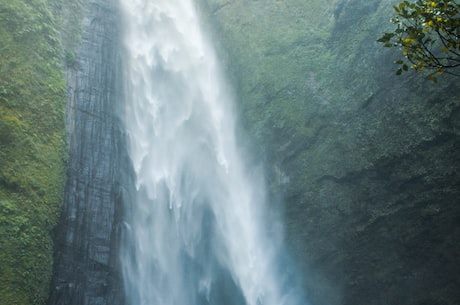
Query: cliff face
[[366, 162], [86, 242]]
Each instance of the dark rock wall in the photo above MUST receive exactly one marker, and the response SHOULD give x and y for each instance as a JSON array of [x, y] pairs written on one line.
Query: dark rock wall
[[367, 163], [86, 240]]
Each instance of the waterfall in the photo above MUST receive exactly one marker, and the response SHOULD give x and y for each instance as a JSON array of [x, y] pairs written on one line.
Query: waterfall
[[196, 231]]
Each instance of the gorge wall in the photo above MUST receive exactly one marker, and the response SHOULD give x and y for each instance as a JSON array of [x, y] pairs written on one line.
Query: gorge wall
[[363, 164], [87, 237], [366, 163]]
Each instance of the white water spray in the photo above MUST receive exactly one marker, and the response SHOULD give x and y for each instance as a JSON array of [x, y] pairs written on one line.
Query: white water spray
[[195, 231]]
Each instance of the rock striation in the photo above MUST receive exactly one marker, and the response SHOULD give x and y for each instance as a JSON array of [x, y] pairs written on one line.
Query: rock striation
[[86, 268]]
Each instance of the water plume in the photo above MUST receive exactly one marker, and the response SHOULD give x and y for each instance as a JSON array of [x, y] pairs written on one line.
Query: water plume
[[196, 231]]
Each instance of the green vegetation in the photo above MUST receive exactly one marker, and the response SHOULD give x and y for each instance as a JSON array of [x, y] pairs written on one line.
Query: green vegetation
[[32, 148], [428, 33]]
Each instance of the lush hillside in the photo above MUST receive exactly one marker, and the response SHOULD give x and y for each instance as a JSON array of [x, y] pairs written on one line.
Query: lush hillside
[[32, 148], [366, 161]]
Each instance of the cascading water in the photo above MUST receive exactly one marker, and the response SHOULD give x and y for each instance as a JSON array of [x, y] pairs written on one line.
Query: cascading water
[[195, 233]]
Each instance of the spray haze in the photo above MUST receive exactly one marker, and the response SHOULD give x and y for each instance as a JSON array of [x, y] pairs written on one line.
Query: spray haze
[[196, 231]]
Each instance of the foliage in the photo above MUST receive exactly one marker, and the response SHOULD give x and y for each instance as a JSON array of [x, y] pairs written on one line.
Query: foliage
[[428, 33], [70, 59], [32, 149]]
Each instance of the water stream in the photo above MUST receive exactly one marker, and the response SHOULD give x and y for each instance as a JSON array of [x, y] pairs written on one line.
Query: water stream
[[197, 231]]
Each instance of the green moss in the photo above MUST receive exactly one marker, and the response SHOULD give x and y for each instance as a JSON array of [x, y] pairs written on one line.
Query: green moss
[[32, 150]]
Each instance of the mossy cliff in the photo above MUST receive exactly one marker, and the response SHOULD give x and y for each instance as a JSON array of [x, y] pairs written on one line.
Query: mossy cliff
[[32, 146], [366, 162]]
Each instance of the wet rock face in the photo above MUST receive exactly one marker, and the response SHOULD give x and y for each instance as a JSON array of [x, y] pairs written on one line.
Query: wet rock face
[[367, 163], [86, 240]]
